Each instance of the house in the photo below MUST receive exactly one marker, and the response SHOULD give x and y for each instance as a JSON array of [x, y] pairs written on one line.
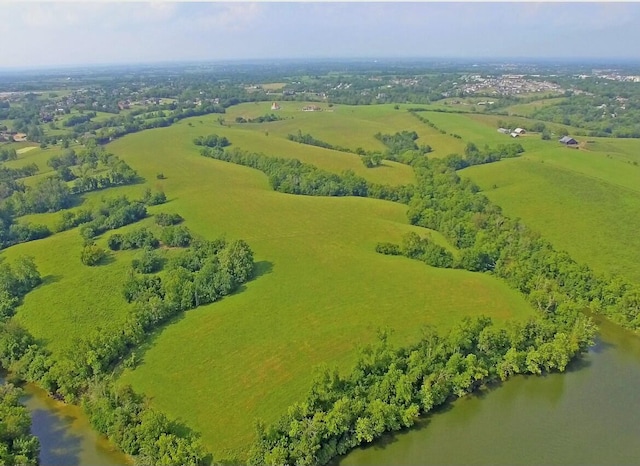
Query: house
[[519, 131], [275, 106], [515, 135], [20, 137], [569, 141], [503, 130]]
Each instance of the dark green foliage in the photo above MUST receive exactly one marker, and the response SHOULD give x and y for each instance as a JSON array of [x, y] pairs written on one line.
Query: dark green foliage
[[311, 141], [139, 430], [16, 280], [389, 249], [17, 445], [213, 140], [148, 262], [165, 220], [261, 119], [415, 247], [92, 254], [139, 286], [135, 239], [150, 198], [176, 236], [111, 214], [48, 195], [8, 154]]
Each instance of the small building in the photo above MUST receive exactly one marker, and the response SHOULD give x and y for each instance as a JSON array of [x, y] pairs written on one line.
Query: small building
[[275, 106], [20, 137], [503, 130], [515, 135], [568, 141], [519, 131]]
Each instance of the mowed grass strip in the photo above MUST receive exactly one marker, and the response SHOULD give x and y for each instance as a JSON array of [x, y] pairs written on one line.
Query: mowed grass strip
[[320, 292], [570, 198]]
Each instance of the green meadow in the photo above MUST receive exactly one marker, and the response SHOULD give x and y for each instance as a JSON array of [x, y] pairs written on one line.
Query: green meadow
[[320, 289], [584, 201]]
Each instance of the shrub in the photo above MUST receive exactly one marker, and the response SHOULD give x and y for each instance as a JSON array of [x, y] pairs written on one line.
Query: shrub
[[92, 254]]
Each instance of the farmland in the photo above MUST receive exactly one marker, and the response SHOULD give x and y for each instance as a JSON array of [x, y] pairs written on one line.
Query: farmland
[[320, 291]]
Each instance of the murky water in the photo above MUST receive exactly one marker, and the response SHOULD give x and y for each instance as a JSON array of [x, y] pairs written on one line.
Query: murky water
[[66, 437], [589, 415]]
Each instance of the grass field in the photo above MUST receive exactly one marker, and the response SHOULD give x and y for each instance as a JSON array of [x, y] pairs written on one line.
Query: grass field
[[323, 291], [584, 201], [527, 109], [320, 291]]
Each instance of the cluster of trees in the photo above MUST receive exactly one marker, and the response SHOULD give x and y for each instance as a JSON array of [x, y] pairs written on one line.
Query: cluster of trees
[[110, 214], [8, 154], [388, 388], [113, 213], [92, 169], [135, 239], [47, 195], [76, 120], [421, 248], [295, 177], [18, 447], [475, 156], [261, 119], [601, 116], [165, 219], [16, 280], [402, 146], [213, 140], [13, 201]]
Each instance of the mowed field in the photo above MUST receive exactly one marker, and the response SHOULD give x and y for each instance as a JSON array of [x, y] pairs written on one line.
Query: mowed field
[[584, 201], [320, 290]]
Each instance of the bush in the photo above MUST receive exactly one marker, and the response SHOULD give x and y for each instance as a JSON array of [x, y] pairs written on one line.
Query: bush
[[166, 220], [92, 254], [176, 236]]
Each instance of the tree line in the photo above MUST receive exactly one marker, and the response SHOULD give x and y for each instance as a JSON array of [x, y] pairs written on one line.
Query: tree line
[[295, 177]]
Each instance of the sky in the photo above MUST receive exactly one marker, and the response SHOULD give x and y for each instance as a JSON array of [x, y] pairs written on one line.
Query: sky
[[49, 34]]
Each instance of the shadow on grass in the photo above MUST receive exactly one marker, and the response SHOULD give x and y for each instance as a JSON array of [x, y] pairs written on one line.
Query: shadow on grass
[[50, 279]]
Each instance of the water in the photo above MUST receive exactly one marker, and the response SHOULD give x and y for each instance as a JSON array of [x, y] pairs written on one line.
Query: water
[[589, 415], [66, 437]]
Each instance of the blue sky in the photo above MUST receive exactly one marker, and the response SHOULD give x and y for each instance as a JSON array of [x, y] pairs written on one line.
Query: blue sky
[[62, 33]]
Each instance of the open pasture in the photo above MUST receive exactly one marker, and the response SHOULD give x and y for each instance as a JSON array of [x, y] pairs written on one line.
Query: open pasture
[[581, 200], [320, 291], [528, 108]]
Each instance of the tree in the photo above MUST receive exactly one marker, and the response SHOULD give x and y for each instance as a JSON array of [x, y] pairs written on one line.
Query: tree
[[92, 255]]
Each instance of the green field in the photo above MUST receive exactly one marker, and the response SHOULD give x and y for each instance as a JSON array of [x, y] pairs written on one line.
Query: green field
[[584, 201], [320, 291]]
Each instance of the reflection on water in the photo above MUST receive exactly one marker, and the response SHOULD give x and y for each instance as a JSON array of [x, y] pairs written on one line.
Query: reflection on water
[[588, 415], [66, 437]]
